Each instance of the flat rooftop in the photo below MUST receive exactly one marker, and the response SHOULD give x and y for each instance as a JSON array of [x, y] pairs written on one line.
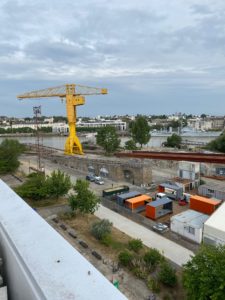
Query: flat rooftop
[[206, 200], [217, 219], [192, 218]]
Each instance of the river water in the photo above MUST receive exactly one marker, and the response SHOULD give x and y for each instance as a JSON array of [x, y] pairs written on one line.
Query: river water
[[59, 141]]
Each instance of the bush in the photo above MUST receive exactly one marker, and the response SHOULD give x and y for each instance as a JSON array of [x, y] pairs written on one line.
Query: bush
[[136, 245], [125, 258], [101, 229], [139, 273], [152, 258], [167, 274], [153, 285]]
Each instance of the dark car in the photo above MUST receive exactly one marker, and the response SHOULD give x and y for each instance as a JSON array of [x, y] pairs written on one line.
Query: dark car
[[90, 177]]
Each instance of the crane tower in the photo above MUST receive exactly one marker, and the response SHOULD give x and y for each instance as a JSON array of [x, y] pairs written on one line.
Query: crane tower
[[74, 96]]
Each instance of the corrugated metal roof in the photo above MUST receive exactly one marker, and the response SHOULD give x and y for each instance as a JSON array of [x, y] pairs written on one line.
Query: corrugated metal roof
[[216, 220], [128, 195], [216, 186], [138, 199], [159, 202], [170, 186], [206, 200], [191, 218]]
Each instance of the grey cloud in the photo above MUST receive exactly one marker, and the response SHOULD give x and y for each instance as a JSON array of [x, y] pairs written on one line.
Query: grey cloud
[[139, 48]]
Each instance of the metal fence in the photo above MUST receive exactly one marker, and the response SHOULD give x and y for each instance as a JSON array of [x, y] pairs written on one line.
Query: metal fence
[[134, 216]]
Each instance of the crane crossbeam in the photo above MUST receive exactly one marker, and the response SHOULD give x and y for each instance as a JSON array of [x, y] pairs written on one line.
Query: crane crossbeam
[[62, 91]]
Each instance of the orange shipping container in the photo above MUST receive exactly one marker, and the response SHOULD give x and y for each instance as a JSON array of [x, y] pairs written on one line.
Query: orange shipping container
[[204, 205], [136, 202], [150, 212]]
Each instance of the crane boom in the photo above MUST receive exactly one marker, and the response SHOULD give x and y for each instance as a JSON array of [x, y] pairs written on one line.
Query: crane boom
[[62, 91], [74, 95]]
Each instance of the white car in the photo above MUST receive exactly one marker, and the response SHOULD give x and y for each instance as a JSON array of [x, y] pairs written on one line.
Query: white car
[[160, 227], [99, 180]]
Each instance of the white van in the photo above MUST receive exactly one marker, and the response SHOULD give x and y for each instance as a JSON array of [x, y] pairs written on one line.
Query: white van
[[160, 196]]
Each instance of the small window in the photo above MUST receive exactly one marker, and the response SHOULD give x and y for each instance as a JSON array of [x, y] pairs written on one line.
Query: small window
[[211, 191], [191, 230]]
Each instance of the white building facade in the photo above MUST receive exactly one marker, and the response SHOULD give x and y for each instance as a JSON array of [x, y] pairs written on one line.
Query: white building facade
[[214, 227], [189, 224]]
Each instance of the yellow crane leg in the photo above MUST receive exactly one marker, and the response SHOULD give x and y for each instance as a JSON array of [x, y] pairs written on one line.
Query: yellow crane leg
[[73, 145]]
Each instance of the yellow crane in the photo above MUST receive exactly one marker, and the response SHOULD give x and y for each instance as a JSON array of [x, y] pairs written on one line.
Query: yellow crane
[[74, 96]]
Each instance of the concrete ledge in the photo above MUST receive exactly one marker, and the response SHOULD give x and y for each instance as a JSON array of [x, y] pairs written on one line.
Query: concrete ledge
[[39, 263]]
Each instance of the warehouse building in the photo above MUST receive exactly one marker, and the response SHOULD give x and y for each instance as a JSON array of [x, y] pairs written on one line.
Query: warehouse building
[[216, 190], [214, 227], [189, 224]]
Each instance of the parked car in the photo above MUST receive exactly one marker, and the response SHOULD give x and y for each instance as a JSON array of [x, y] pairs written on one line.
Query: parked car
[[99, 180], [160, 227], [90, 177]]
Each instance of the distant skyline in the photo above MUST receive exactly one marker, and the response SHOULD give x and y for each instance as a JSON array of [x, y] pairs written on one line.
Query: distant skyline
[[155, 57]]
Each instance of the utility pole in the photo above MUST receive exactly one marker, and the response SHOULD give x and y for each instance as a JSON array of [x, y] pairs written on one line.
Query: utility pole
[[37, 114]]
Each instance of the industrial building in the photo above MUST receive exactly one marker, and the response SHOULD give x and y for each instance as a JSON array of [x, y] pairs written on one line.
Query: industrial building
[[39, 263], [189, 224], [215, 190], [214, 227], [189, 173]]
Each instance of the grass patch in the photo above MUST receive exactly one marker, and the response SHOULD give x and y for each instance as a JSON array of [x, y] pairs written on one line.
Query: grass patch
[[46, 202]]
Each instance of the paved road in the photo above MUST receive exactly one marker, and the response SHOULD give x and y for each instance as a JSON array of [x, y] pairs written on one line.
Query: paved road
[[170, 250]]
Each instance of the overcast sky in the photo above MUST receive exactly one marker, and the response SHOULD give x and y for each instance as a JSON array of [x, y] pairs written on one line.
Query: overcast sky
[[154, 56]]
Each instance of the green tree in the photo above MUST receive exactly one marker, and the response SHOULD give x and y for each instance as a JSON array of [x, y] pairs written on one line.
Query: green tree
[[34, 188], [107, 138], [174, 124], [140, 130], [101, 229], [58, 184], [9, 153], [173, 141], [130, 145], [204, 274], [84, 200], [217, 144], [167, 274]]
